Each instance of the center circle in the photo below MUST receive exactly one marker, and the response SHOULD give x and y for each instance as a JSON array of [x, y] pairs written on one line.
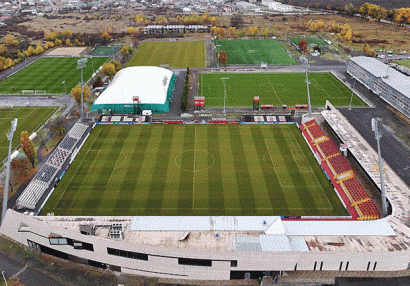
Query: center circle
[[194, 160]]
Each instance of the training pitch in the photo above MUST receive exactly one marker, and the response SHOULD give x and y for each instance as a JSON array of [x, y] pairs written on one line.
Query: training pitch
[[274, 88], [105, 50], [195, 170], [251, 52], [173, 54], [48, 74], [28, 119], [309, 40]]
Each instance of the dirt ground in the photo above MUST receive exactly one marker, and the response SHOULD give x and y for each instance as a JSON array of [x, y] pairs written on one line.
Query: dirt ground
[[67, 51]]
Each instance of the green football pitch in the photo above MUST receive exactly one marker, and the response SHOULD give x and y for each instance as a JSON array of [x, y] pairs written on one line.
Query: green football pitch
[[274, 88], [175, 54], [49, 73], [309, 40], [195, 170], [28, 119], [105, 50], [251, 52]]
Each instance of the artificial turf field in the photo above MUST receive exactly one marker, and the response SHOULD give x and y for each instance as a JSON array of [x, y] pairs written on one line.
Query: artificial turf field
[[29, 119], [309, 40], [274, 88], [175, 54], [251, 52], [105, 50], [48, 73], [195, 170]]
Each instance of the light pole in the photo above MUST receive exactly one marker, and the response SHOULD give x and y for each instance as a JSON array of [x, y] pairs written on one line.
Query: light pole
[[81, 63], [65, 86], [224, 81], [9, 134], [351, 97], [378, 134], [306, 61], [217, 54], [4, 277]]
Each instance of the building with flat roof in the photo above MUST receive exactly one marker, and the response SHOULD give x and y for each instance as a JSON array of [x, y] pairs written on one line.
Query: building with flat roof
[[391, 85], [143, 88]]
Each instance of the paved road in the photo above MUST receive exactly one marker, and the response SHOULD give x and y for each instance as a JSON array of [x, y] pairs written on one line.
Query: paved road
[[394, 152], [26, 275]]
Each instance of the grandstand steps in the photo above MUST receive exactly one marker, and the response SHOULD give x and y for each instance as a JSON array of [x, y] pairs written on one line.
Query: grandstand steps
[[359, 202], [345, 176]]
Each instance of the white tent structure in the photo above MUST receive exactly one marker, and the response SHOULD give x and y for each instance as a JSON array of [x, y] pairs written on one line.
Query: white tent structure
[[152, 86]]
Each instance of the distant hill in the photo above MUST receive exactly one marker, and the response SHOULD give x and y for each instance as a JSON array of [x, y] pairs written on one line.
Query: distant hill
[[388, 4]]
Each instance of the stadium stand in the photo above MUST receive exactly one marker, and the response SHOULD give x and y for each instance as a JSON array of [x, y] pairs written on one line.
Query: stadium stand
[[68, 143], [45, 176], [58, 158], [327, 148], [314, 130], [46, 173], [339, 165], [78, 130], [343, 172]]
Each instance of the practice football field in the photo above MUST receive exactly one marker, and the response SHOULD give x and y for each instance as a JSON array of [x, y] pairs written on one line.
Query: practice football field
[[28, 119], [274, 88], [105, 50], [162, 169], [49, 73], [253, 52], [309, 40], [175, 54]]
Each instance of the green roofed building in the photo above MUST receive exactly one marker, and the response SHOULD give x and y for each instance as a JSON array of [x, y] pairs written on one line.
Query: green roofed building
[[143, 88]]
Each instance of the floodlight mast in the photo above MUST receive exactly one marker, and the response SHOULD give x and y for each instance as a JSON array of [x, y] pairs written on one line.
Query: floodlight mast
[[306, 61], [81, 63], [9, 134], [378, 134], [224, 81]]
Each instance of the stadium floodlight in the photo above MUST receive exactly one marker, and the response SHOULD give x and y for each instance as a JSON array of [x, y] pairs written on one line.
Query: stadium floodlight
[[217, 55], [65, 86], [9, 134], [224, 81], [81, 63], [306, 62], [378, 134]]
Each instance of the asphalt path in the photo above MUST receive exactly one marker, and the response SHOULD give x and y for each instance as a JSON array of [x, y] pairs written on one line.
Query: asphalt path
[[394, 152], [25, 274]]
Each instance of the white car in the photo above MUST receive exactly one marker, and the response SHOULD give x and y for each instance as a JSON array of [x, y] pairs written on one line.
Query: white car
[[381, 56]]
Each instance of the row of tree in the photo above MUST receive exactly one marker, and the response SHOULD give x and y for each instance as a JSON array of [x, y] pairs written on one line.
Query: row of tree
[[233, 32], [193, 19], [400, 16], [184, 99], [343, 32]]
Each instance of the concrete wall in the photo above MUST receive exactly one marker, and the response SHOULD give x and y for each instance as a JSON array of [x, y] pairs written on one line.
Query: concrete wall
[[163, 261]]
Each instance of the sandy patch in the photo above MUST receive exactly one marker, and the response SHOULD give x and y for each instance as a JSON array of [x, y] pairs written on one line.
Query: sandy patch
[[67, 51]]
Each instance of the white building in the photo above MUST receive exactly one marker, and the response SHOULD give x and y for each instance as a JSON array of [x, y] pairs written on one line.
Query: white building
[[391, 85]]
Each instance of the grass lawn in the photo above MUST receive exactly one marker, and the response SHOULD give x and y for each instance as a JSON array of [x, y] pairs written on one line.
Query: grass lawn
[[48, 73], [195, 170], [105, 50], [310, 40], [250, 52], [274, 88], [175, 54], [405, 63], [29, 119]]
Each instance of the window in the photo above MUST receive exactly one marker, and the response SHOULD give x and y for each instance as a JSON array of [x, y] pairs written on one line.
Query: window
[[234, 263], [195, 262], [58, 240], [127, 254]]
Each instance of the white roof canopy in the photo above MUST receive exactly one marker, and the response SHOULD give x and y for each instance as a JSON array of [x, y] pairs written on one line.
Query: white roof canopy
[[150, 84]]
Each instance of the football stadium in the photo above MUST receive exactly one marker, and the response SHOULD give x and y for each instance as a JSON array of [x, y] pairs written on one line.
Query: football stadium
[[266, 193]]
